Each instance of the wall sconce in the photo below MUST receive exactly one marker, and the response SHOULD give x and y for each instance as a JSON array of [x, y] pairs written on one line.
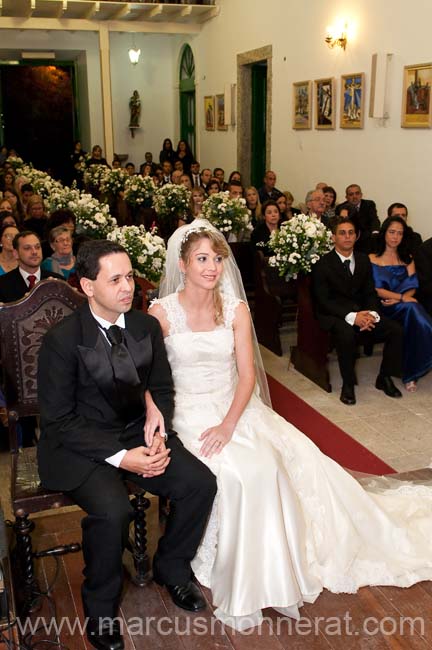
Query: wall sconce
[[134, 55], [337, 36]]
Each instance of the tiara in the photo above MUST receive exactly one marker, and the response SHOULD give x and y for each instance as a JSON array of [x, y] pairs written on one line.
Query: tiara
[[189, 232]]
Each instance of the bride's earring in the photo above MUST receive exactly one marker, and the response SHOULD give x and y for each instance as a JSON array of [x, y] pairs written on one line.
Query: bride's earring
[[183, 277]]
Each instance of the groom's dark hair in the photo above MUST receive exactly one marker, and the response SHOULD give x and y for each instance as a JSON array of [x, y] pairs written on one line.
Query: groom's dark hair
[[90, 253]]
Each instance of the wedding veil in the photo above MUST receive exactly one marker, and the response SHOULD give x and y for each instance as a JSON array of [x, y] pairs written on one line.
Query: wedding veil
[[231, 283]]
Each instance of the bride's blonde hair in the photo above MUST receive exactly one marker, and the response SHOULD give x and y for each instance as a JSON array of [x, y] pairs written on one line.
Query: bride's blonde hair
[[220, 247]]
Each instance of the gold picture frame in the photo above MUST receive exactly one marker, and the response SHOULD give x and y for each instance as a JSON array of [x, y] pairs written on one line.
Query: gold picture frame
[[209, 112], [416, 96], [302, 105], [352, 101], [325, 103], [220, 113]]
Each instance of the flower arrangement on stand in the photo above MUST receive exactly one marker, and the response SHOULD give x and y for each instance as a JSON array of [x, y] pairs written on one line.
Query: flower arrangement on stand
[[171, 203], [114, 181], [298, 245], [94, 176], [226, 214], [42, 183], [15, 162], [92, 217], [139, 190], [146, 250]]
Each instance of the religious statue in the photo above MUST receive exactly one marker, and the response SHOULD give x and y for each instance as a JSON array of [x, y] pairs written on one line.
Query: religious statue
[[135, 112]]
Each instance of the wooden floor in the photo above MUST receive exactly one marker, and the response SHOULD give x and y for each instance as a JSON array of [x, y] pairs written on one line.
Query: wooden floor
[[374, 618]]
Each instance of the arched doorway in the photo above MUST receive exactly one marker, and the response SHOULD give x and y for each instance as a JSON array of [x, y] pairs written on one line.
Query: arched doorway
[[187, 97]]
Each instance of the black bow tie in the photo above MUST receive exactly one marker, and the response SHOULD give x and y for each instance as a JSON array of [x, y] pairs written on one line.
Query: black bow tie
[[122, 362]]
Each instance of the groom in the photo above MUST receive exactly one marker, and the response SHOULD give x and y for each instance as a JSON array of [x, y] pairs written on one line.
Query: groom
[[94, 369]]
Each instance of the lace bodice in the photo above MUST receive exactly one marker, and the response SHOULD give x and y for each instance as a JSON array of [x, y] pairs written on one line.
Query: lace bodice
[[202, 363]]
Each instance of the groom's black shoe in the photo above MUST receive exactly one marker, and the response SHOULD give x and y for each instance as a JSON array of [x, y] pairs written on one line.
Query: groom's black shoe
[[186, 596], [104, 634], [385, 383], [347, 395]]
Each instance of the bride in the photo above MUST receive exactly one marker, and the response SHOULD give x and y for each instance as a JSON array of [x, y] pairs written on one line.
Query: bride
[[287, 521]]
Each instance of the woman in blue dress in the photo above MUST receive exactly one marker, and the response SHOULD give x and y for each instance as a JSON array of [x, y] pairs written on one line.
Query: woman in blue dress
[[396, 283]]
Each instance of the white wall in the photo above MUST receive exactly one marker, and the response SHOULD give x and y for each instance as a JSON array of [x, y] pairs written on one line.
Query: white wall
[[390, 163], [156, 79]]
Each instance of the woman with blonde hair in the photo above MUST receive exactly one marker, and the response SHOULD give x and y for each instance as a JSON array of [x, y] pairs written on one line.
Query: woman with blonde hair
[[36, 217], [253, 204]]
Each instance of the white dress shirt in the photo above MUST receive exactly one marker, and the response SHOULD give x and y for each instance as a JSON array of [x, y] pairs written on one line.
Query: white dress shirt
[[25, 275]]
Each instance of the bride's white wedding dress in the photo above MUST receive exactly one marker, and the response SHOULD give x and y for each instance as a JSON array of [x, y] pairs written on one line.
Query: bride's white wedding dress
[[287, 521]]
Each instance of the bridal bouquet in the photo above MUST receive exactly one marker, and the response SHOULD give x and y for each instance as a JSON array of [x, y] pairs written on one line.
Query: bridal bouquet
[[138, 190], [171, 201], [227, 215], [114, 181], [298, 245], [146, 250], [94, 175]]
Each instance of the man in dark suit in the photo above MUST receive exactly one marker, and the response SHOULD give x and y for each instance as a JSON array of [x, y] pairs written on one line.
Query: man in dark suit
[[269, 190], [28, 251], [96, 431], [347, 305], [423, 264], [365, 216], [414, 239]]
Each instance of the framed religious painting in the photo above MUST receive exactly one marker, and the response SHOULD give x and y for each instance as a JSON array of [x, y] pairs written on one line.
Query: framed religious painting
[[220, 113], [416, 96], [302, 105], [325, 103], [209, 112], [352, 101]]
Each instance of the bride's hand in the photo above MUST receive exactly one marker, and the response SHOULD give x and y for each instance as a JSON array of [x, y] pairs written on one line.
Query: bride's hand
[[215, 439], [154, 420]]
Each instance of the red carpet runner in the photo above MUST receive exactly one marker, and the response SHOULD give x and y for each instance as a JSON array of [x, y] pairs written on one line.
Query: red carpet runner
[[327, 436]]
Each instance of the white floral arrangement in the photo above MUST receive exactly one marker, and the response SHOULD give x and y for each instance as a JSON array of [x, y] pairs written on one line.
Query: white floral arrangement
[[298, 245], [226, 214], [41, 182], [92, 217], [15, 162], [114, 181], [171, 200], [139, 189], [146, 250], [94, 175]]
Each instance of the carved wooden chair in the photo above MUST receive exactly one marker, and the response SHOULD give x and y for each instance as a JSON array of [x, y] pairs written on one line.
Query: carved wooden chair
[[22, 327]]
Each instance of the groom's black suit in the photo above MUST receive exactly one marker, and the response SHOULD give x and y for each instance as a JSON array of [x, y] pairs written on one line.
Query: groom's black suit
[[336, 294], [83, 423]]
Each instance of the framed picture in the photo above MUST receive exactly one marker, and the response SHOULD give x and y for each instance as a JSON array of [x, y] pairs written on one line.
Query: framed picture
[[209, 112], [220, 113], [325, 104], [302, 105], [352, 101], [416, 96]]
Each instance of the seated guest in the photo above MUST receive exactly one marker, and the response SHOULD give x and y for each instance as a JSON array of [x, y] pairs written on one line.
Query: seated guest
[[130, 168], [423, 262], [176, 177], [205, 178], [6, 216], [219, 174], [36, 218], [346, 305], [185, 180], [330, 202], [8, 261], [12, 196], [195, 173], [62, 261], [365, 215], [414, 239], [8, 180], [316, 206], [167, 169], [235, 176], [116, 163], [26, 192], [197, 199], [269, 189], [148, 160], [213, 187], [179, 167], [253, 204], [146, 170], [235, 189], [396, 284], [270, 222], [28, 252], [290, 211], [61, 217]]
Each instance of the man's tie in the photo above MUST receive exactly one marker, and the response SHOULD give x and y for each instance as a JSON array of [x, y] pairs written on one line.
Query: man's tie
[[347, 266], [122, 363], [31, 281]]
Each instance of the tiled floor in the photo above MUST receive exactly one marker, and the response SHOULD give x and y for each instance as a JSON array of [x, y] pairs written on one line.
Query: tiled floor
[[399, 431]]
